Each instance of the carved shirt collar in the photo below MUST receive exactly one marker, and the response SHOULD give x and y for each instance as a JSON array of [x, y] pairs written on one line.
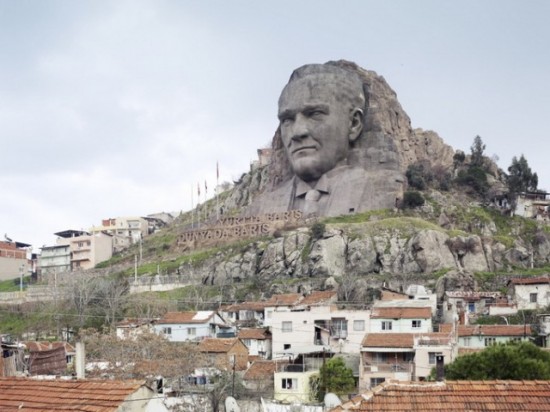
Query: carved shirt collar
[[323, 185]]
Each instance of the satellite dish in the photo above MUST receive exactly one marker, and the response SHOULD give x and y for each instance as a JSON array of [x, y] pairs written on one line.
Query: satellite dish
[[231, 405], [332, 400]]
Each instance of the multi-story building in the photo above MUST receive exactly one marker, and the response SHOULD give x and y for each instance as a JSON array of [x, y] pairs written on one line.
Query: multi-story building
[[14, 260], [125, 230], [54, 260], [318, 327], [402, 356], [87, 250]]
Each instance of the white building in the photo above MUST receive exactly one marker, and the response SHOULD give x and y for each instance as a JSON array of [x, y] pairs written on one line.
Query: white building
[[481, 336], [530, 293], [257, 340], [192, 326], [399, 319], [338, 330]]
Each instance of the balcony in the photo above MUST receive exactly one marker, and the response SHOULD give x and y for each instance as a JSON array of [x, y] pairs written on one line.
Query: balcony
[[389, 367]]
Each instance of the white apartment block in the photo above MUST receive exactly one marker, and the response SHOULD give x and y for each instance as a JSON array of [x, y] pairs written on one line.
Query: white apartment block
[[319, 327]]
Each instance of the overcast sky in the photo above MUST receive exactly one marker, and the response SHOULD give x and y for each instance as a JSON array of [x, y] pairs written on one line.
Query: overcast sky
[[118, 108]]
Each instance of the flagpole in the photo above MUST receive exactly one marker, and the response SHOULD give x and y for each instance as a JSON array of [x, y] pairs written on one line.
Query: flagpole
[[205, 195], [216, 191], [198, 203], [192, 209]]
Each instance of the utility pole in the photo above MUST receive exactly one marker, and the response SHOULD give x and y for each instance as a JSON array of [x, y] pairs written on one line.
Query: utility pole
[[233, 377], [21, 271]]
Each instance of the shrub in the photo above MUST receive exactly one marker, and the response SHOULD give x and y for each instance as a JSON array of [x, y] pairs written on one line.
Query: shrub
[[412, 199]]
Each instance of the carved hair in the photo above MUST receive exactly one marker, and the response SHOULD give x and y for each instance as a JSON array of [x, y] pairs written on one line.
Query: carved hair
[[350, 86]]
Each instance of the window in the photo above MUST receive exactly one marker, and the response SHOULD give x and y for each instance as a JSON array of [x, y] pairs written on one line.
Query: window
[[289, 383], [432, 357], [386, 325], [167, 330], [191, 331], [408, 356], [467, 341], [358, 325], [287, 326], [376, 381], [416, 324], [339, 328], [379, 357], [533, 297], [286, 346], [490, 341], [471, 307], [247, 342]]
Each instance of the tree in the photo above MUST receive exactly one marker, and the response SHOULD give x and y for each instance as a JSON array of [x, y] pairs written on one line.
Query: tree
[[417, 176], [412, 199], [511, 361], [144, 355], [336, 377], [521, 178], [477, 152]]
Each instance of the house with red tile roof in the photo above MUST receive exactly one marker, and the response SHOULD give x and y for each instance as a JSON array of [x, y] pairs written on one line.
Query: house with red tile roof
[[245, 314], [260, 375], [257, 340], [402, 356], [27, 394], [400, 319], [478, 337], [452, 396], [193, 326], [225, 353]]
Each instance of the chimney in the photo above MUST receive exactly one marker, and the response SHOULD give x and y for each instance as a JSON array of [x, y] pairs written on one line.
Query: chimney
[[80, 360], [439, 368]]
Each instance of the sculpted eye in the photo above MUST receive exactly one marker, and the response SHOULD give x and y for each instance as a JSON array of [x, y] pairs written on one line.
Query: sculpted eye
[[316, 114], [285, 121]]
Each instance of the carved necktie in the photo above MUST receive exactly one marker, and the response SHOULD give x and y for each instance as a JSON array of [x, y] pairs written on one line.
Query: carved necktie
[[312, 202]]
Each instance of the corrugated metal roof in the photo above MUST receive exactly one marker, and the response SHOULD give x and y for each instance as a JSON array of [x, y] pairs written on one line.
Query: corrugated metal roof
[[23, 394], [453, 396]]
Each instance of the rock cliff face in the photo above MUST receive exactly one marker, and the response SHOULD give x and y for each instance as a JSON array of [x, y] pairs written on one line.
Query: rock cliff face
[[396, 250]]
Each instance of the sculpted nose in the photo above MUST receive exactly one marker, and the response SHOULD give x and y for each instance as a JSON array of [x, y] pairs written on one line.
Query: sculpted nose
[[299, 128]]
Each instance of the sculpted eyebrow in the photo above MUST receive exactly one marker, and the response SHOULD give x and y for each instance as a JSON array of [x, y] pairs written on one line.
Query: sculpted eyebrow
[[287, 114]]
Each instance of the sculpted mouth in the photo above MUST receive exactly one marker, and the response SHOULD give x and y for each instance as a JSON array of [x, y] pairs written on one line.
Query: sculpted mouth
[[301, 148]]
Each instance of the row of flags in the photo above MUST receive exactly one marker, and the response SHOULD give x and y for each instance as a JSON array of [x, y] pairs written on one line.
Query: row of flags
[[205, 195], [206, 185]]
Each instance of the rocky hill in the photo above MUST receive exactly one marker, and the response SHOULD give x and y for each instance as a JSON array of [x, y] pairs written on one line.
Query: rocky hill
[[456, 240]]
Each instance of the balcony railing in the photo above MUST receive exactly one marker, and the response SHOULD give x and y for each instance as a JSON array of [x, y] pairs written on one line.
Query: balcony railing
[[389, 367]]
